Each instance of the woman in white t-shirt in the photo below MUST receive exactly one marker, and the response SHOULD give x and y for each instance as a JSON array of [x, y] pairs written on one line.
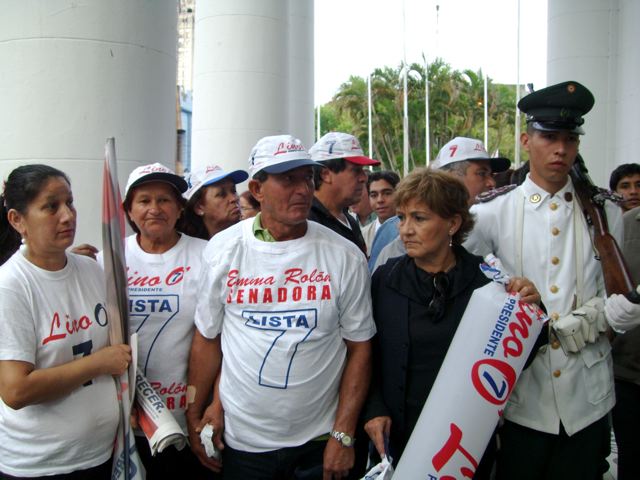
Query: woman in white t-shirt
[[163, 266], [58, 407]]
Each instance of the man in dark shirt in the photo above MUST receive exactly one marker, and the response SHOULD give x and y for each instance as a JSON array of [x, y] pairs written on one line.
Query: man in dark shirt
[[339, 184]]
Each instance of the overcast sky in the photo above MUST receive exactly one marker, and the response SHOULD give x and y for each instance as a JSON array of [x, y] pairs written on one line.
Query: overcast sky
[[352, 37]]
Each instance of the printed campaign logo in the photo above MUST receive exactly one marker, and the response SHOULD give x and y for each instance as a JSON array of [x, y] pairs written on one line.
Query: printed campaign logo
[[156, 312], [286, 330]]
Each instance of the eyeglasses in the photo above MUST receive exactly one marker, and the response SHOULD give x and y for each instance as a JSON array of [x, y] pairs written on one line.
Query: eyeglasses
[[440, 287]]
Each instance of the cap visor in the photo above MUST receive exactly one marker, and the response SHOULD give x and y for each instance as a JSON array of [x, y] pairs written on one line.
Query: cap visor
[[554, 127], [237, 176], [176, 181], [359, 160], [289, 165]]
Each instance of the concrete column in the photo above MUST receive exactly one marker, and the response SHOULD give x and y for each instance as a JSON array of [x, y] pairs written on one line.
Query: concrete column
[[242, 85], [75, 73], [594, 42], [301, 71]]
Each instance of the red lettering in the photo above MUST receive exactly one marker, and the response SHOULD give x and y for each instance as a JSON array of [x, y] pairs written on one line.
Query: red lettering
[[512, 345], [239, 298], [282, 294], [253, 295], [183, 402], [448, 450], [171, 403], [326, 292], [267, 297], [71, 326], [55, 323], [297, 294], [233, 280], [311, 292]]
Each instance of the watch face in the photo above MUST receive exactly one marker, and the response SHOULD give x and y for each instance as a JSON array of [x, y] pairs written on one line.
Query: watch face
[[347, 441]]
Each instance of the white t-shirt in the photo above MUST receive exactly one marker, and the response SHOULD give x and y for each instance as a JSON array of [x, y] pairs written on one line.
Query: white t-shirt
[[163, 289], [284, 309], [49, 319]]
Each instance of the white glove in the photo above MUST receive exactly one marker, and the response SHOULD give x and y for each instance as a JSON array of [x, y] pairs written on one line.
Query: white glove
[[594, 322], [621, 314], [569, 330]]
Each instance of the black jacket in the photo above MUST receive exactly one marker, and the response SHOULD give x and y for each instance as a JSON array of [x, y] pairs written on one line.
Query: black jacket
[[320, 214], [391, 311]]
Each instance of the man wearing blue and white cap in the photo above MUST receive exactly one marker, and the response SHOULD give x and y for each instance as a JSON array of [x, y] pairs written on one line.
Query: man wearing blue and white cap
[[339, 184], [556, 423], [292, 300]]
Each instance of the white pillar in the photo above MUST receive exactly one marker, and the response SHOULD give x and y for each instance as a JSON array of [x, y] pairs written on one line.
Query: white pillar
[[246, 80], [300, 63], [595, 43], [75, 73]]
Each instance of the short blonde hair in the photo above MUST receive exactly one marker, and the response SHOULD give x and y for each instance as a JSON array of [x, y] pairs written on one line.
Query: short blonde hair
[[443, 193]]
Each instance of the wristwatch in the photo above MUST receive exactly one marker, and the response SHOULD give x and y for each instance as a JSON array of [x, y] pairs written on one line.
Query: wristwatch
[[345, 439]]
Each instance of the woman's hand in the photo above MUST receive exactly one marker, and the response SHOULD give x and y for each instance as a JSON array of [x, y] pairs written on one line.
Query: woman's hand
[[113, 360], [377, 428], [85, 249], [525, 287]]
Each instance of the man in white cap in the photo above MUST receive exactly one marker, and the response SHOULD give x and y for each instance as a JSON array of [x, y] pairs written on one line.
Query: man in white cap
[[339, 184], [292, 299], [468, 159]]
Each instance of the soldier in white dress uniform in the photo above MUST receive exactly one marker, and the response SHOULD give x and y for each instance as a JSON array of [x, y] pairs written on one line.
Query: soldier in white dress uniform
[[556, 424]]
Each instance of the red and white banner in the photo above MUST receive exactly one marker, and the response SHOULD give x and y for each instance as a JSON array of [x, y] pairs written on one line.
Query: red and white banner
[[126, 464], [481, 367]]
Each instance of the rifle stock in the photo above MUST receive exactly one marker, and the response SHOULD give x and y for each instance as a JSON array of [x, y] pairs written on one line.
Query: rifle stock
[[617, 278]]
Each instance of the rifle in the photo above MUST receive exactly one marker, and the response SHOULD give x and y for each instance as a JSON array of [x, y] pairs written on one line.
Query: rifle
[[617, 278]]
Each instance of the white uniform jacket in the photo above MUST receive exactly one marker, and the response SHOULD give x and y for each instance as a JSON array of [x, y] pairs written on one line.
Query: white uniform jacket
[[545, 238]]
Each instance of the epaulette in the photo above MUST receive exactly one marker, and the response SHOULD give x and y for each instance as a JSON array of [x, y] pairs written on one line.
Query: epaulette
[[485, 197]]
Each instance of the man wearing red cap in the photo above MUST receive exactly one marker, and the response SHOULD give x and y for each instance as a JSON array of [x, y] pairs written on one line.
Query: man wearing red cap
[[339, 184]]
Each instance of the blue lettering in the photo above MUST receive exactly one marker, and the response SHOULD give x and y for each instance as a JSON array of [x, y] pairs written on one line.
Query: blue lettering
[[302, 322]]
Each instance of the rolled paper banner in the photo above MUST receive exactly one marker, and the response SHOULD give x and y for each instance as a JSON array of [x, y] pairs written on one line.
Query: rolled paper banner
[[487, 353], [155, 419]]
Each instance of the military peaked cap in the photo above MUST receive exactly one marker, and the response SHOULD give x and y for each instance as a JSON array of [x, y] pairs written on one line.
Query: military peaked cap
[[558, 107]]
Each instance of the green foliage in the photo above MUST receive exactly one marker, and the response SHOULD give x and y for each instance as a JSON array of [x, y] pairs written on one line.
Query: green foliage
[[455, 109]]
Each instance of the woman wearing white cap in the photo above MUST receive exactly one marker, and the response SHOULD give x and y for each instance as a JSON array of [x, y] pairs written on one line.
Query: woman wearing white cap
[[212, 201], [163, 266]]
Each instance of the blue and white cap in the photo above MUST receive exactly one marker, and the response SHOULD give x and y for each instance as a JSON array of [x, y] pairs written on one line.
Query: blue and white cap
[[278, 154]]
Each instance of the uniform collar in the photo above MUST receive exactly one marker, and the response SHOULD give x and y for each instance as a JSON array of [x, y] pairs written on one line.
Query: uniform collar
[[536, 196]]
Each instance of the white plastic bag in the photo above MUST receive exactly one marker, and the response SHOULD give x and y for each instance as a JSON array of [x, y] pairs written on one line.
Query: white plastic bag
[[382, 471]]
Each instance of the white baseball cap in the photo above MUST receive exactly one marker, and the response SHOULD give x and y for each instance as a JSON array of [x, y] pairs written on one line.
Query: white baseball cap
[[340, 145], [208, 175], [278, 154], [155, 172], [462, 148]]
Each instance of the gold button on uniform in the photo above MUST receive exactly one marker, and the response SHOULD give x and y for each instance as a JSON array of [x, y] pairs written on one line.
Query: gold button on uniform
[[555, 316], [556, 373], [555, 344], [555, 231], [553, 289], [555, 260], [553, 206]]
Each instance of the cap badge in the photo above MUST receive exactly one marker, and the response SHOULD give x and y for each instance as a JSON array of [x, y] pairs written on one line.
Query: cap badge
[[535, 198], [571, 88]]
